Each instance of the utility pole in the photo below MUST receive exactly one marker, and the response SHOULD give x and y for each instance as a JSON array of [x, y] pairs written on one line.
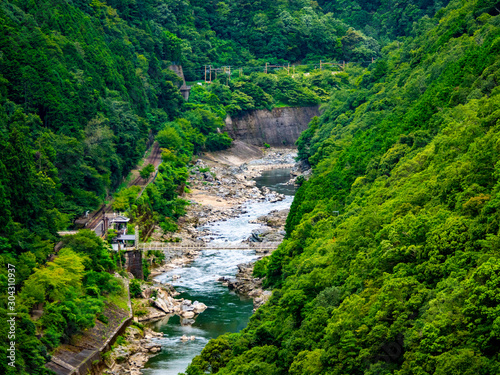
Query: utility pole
[[343, 65], [205, 74], [320, 65], [266, 69], [210, 73], [288, 69]]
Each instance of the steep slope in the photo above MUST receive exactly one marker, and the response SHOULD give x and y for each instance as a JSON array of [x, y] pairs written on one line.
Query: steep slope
[[392, 259], [84, 88]]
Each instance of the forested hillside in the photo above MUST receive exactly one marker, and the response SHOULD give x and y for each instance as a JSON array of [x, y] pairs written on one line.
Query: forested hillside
[[252, 32], [391, 262], [85, 89]]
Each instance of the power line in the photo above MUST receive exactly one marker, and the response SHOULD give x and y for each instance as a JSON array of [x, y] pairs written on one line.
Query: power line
[[226, 70]]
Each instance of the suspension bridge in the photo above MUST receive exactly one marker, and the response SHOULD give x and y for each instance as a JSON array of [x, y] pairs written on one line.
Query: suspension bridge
[[175, 246]]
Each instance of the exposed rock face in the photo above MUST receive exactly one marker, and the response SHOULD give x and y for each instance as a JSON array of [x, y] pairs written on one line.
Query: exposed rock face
[[159, 301], [281, 126]]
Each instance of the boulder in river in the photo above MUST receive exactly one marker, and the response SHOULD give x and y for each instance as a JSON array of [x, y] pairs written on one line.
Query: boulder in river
[[259, 234], [199, 307], [187, 314]]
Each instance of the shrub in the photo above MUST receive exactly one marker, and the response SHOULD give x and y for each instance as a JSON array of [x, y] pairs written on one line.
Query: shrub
[[218, 141], [135, 288]]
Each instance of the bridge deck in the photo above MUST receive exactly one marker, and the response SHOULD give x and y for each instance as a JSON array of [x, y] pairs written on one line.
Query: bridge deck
[[172, 246]]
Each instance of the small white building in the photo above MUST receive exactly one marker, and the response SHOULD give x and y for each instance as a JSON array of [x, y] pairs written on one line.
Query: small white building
[[122, 240]]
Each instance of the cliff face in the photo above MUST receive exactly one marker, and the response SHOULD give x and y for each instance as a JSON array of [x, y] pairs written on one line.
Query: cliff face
[[281, 126]]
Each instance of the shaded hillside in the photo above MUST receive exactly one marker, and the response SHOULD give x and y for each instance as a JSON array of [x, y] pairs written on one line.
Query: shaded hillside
[[239, 32]]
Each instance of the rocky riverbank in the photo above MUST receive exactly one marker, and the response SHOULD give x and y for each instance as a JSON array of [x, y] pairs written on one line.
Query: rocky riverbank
[[217, 192], [244, 282], [132, 350]]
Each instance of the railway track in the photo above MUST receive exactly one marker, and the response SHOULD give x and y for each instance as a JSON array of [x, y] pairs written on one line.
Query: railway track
[[155, 159], [96, 219]]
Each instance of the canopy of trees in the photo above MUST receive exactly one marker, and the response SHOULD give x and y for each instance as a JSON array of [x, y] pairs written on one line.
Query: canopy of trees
[[391, 262], [405, 151]]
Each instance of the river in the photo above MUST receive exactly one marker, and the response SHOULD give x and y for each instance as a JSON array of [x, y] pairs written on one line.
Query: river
[[226, 312]]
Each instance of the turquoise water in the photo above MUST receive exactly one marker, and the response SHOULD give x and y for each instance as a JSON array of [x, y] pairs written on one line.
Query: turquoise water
[[226, 312], [275, 180]]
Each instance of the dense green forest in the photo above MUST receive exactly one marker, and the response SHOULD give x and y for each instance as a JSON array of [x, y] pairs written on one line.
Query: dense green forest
[[391, 262], [85, 89]]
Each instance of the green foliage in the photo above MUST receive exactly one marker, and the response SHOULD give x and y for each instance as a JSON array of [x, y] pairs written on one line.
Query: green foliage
[[85, 87], [135, 288], [146, 270], [169, 138], [260, 267], [155, 256], [92, 249], [51, 282], [213, 356], [205, 121], [125, 198], [390, 262], [145, 172], [101, 282], [218, 141]]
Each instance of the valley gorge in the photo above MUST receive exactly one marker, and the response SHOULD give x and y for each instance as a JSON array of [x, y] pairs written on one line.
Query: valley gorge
[[249, 188]]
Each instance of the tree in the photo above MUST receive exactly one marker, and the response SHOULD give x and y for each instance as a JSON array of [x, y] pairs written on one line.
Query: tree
[[146, 171], [50, 283]]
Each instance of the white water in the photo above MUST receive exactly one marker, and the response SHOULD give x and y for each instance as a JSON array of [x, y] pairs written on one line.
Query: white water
[[227, 312]]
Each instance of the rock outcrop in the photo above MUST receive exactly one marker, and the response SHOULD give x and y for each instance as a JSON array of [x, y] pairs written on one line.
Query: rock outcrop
[[159, 301], [279, 127], [132, 351]]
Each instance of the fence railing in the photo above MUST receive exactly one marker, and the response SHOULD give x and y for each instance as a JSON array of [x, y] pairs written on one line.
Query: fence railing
[[165, 246]]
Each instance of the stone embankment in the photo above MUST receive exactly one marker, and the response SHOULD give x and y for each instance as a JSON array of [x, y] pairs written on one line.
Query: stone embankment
[[83, 354]]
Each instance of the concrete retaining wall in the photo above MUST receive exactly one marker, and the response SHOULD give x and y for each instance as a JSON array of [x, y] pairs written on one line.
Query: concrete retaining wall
[[279, 127], [133, 263]]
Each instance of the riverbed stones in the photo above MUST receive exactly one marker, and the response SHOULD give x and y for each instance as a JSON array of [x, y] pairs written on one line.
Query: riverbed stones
[[187, 314], [222, 192], [199, 307], [134, 351]]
